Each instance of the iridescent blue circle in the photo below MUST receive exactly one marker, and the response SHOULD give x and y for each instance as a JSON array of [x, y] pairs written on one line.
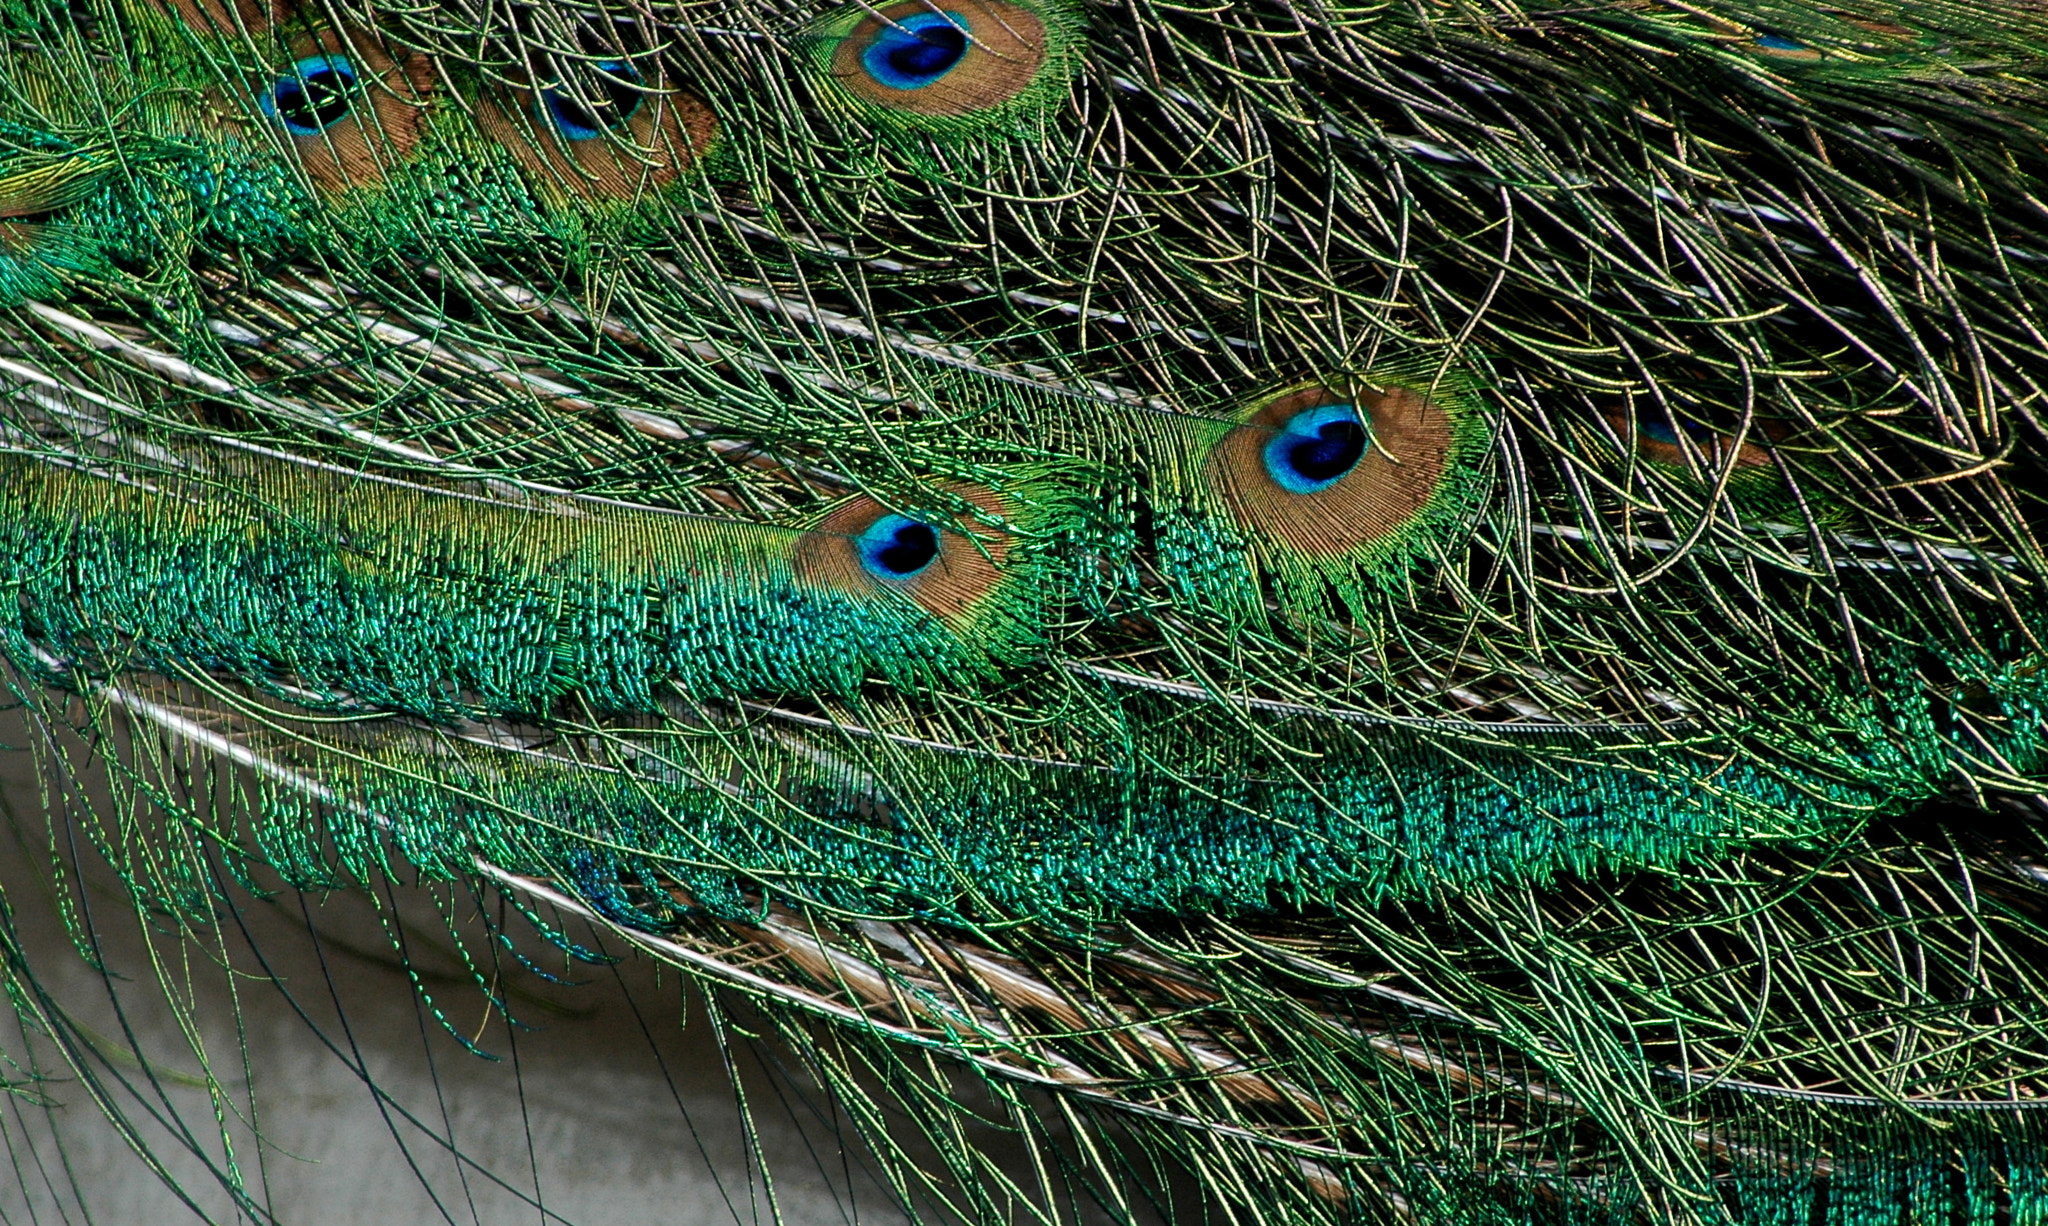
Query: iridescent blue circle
[[1657, 427], [897, 547], [611, 87], [1316, 448], [313, 96], [912, 52]]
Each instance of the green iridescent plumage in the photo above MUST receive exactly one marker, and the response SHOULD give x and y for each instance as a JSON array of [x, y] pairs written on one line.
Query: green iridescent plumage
[[1375, 598]]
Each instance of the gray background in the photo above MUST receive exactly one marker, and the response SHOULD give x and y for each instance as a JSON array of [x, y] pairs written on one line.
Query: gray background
[[620, 1127]]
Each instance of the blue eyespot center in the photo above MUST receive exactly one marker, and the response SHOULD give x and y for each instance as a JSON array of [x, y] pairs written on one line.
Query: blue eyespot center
[[1316, 448], [897, 547], [612, 101], [313, 96], [914, 51], [1778, 42], [1657, 428]]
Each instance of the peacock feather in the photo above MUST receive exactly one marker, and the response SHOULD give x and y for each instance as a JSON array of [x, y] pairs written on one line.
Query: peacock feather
[[1362, 612]]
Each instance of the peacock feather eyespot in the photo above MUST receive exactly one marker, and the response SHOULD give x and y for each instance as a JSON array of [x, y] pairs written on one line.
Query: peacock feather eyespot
[[1316, 448], [1678, 442], [617, 130], [864, 547], [617, 96], [351, 108], [1659, 431], [949, 60], [896, 547], [317, 93], [1325, 472], [1661, 426], [917, 51]]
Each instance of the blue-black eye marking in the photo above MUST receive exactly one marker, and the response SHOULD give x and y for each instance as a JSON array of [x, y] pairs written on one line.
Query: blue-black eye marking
[[615, 98], [1658, 429], [313, 96], [1316, 448], [912, 52], [897, 547]]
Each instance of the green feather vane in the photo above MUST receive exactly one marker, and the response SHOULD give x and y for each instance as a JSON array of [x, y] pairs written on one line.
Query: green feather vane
[[1323, 612]]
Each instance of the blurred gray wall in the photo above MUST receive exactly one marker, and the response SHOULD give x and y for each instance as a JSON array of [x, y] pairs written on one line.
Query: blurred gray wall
[[607, 1115]]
